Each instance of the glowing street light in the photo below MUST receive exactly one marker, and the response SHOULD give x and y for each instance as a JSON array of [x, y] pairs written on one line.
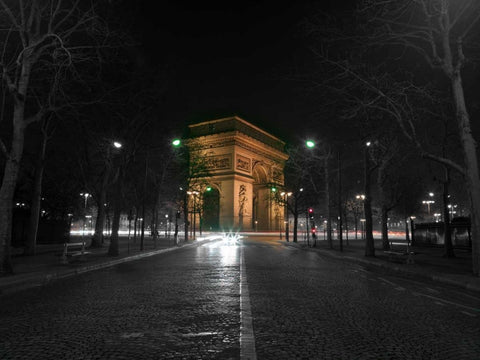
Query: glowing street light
[[117, 144], [428, 203], [176, 142]]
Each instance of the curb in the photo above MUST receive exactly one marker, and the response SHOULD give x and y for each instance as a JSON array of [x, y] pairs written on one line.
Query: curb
[[40, 280], [397, 270]]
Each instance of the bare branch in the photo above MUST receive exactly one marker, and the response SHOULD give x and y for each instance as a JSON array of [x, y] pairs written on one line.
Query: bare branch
[[3, 149], [14, 21]]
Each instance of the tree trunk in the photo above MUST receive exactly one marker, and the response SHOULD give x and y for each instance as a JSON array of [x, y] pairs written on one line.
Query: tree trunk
[[35, 208], [385, 242], [295, 222], [7, 190], [329, 209], [345, 216], [12, 164], [340, 230], [355, 219], [471, 164], [135, 226], [6, 202], [185, 217], [97, 238], [113, 249]]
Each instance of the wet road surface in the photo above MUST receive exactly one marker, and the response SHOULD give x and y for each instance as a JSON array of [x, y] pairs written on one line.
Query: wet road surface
[[252, 298]]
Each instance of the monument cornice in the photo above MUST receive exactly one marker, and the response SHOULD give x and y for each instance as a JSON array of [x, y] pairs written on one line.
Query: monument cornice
[[237, 138]]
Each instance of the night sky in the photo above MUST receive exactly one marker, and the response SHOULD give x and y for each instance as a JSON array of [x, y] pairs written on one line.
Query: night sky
[[226, 58]]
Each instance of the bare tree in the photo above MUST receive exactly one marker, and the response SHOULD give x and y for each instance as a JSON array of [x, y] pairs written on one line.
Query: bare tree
[[31, 241], [439, 31], [42, 40]]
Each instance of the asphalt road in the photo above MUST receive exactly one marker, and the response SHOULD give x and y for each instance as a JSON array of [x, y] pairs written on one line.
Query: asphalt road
[[255, 298]]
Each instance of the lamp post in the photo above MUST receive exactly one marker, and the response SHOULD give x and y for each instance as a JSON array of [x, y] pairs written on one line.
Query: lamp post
[[362, 221], [359, 198], [194, 195], [166, 225], [85, 196], [367, 205], [428, 203], [285, 198]]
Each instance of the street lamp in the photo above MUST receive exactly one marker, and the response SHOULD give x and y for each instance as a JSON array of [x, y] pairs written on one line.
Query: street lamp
[[85, 196], [362, 221], [194, 194], [428, 203], [285, 196], [166, 226]]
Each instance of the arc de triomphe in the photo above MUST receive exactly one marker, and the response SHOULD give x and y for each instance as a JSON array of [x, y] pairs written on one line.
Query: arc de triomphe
[[243, 163]]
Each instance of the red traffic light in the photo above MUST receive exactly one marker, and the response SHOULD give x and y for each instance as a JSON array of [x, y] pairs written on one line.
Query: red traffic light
[[314, 230], [310, 210]]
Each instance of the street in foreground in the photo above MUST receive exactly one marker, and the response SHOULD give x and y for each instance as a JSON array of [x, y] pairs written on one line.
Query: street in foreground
[[186, 304]]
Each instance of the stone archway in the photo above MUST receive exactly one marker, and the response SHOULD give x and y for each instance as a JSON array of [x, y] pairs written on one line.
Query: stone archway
[[244, 162]]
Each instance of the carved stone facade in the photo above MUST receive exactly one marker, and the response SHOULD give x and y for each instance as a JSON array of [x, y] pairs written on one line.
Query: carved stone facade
[[243, 163]]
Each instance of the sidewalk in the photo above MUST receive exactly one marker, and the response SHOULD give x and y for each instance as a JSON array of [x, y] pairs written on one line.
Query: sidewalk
[[429, 262], [46, 265]]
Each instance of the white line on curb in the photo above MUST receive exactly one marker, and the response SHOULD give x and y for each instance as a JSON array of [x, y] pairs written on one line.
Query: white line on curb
[[247, 338]]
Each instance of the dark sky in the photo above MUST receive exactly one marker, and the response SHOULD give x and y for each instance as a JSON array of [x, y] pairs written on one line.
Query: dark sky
[[226, 58]]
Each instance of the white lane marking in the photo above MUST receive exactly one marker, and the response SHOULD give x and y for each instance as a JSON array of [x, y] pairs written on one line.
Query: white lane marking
[[446, 301], [247, 337], [205, 333], [439, 303]]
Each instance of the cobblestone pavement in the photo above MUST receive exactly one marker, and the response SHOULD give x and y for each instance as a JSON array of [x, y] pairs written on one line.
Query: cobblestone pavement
[[306, 306], [179, 305], [185, 304]]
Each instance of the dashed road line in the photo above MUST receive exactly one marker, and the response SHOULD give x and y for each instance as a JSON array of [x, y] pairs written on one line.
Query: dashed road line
[[447, 302], [387, 281], [247, 337]]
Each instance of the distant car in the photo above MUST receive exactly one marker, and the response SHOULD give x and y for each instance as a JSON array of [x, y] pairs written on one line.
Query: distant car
[[231, 237]]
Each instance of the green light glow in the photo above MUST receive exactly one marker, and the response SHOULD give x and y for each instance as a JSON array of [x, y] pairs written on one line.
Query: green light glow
[[176, 142], [209, 188], [274, 189], [310, 144]]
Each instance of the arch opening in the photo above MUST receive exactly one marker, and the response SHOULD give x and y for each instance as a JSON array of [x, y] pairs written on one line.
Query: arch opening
[[211, 210]]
